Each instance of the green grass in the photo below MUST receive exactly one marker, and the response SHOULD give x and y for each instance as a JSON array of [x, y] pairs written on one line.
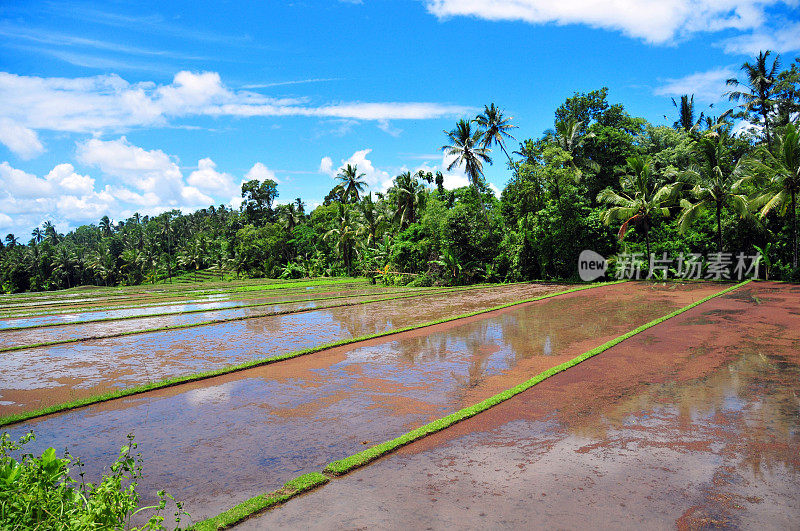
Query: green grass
[[352, 462], [263, 502], [95, 399]]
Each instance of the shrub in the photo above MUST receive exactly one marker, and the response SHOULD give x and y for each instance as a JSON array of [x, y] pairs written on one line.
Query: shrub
[[39, 493]]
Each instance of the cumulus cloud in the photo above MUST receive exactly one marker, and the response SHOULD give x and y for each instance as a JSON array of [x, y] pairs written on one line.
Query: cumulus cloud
[[785, 38], [708, 86], [260, 172], [208, 179], [108, 103], [22, 141], [653, 21], [376, 179], [63, 196]]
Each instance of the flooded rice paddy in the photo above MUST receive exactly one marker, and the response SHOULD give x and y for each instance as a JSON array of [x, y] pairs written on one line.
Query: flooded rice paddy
[[220, 441], [36, 377], [694, 423]]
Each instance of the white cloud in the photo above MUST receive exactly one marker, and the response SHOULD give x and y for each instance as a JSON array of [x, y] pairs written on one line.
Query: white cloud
[[111, 104], [375, 178], [654, 21], [785, 38], [62, 196], [260, 172], [707, 86], [208, 179], [22, 141]]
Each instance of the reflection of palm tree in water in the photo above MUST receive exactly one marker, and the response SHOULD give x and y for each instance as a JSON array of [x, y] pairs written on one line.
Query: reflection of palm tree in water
[[478, 348]]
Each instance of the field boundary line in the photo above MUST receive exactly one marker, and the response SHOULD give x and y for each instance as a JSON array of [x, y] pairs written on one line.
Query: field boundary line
[[170, 382], [346, 465]]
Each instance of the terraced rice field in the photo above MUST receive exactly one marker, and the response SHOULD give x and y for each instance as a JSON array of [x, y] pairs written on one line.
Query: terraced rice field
[[693, 421]]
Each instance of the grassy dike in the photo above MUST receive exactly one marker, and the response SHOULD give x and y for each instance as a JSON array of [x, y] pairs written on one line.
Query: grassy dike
[[82, 402], [224, 319], [348, 464]]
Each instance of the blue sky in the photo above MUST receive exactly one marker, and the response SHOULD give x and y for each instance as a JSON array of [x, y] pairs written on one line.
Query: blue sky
[[116, 107]]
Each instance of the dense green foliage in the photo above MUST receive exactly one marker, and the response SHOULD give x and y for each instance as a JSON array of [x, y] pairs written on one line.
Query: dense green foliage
[[600, 179], [39, 493]]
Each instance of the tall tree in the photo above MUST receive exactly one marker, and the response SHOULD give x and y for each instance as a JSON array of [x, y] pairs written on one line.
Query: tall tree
[[714, 186], [468, 151], [409, 194], [496, 128], [352, 183], [686, 119], [777, 176], [758, 96], [640, 200]]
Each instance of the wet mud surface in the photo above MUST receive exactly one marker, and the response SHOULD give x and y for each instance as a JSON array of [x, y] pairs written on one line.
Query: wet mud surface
[[36, 377], [70, 311], [217, 310], [692, 424], [220, 441]]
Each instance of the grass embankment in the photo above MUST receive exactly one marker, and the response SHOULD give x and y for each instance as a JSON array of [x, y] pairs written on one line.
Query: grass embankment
[[348, 464], [9, 310], [104, 397], [214, 321]]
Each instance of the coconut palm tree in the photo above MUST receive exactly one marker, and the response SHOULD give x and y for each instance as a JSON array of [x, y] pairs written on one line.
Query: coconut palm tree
[[352, 183], [758, 96], [345, 232], [372, 216], [106, 226], [50, 233], [686, 119], [11, 240], [467, 148], [37, 235], [714, 186], [777, 177], [409, 194], [495, 128], [641, 199]]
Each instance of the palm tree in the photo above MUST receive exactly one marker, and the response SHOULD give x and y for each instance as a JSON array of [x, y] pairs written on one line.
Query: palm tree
[[409, 193], [37, 235], [11, 240], [50, 232], [686, 119], [300, 206], [352, 183], [345, 232], [778, 176], [495, 128], [373, 217], [640, 201], [760, 89], [467, 148], [106, 226], [568, 135], [714, 187]]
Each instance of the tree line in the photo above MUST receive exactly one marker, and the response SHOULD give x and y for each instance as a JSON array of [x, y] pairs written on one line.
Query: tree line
[[599, 179]]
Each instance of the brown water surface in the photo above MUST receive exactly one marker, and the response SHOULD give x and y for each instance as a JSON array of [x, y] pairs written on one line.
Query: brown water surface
[[220, 441], [36, 377], [694, 423]]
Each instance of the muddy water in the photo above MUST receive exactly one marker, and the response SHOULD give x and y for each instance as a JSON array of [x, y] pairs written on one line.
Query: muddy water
[[217, 442], [65, 310], [692, 424], [36, 377], [230, 309]]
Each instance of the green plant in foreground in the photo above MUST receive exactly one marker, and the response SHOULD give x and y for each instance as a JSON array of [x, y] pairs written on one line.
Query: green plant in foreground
[[39, 493]]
